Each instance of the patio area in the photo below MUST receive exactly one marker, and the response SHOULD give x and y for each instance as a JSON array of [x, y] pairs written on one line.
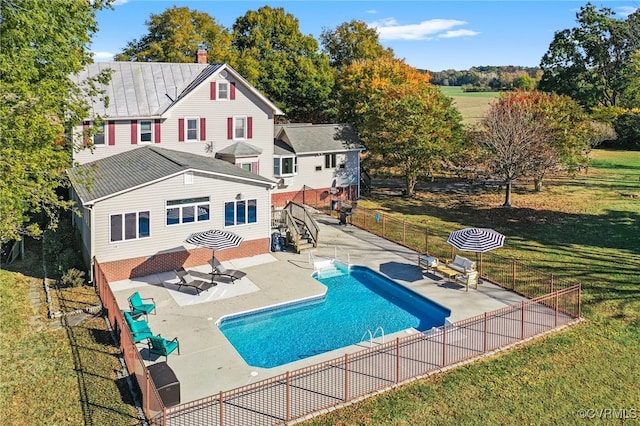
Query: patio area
[[208, 363]]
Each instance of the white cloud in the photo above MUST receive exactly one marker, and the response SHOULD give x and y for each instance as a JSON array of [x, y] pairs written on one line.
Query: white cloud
[[103, 56], [389, 29], [458, 33], [371, 12], [120, 2], [625, 10]]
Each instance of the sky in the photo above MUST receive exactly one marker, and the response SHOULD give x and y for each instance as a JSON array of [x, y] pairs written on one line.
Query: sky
[[427, 34]]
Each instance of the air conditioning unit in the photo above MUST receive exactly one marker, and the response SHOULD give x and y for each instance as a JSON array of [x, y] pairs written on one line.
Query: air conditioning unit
[[287, 181]]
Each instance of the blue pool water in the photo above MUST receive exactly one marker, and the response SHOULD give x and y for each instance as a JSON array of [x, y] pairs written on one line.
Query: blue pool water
[[357, 299]]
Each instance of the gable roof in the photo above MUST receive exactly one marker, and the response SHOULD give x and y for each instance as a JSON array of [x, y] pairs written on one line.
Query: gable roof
[[145, 165], [148, 89], [319, 138]]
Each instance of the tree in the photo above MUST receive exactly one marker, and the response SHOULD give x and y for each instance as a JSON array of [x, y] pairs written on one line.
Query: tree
[[401, 118], [570, 134], [352, 41], [43, 44], [283, 63], [513, 134], [175, 35], [588, 63]]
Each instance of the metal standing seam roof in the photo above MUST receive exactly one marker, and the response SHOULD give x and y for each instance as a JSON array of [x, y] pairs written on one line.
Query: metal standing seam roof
[[140, 166], [315, 138]]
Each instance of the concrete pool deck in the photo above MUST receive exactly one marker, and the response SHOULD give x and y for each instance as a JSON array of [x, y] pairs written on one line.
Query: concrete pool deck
[[208, 363]]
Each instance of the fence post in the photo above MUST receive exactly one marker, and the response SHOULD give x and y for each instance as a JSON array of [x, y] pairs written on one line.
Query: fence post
[[145, 397], [221, 404], [397, 359], [484, 348], [522, 320], [426, 240], [579, 300], [555, 324], [288, 396], [444, 345], [551, 285], [404, 232], [513, 275], [384, 225], [346, 377]]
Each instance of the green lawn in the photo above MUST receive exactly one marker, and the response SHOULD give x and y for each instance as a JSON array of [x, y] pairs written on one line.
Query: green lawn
[[584, 228]]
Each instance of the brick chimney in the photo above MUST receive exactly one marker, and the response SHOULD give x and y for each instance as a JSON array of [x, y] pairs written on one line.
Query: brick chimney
[[202, 55]]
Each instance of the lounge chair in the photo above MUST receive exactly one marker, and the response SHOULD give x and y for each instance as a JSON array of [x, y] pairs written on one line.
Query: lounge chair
[[139, 306], [188, 281], [139, 329], [160, 346], [219, 270]]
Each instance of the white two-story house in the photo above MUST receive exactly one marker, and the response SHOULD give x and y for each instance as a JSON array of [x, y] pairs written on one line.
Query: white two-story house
[[181, 148]]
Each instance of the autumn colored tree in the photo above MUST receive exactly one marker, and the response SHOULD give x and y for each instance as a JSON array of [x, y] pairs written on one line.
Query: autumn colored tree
[[401, 118], [283, 63], [175, 35], [43, 44]]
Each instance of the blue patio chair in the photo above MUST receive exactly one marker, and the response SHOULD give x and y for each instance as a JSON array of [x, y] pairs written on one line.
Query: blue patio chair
[[139, 306], [139, 329], [160, 346]]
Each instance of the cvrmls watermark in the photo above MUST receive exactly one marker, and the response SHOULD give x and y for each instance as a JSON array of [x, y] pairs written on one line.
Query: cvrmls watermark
[[608, 413]]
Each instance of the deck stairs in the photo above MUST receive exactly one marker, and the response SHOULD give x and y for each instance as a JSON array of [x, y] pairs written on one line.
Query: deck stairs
[[300, 227]]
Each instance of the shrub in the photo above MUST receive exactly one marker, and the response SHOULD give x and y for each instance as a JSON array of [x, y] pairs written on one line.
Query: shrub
[[72, 278]]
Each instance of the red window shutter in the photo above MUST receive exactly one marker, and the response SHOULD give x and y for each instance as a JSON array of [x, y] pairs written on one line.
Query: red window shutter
[[212, 90], [232, 90], [255, 167], [156, 131], [249, 127], [203, 128], [181, 130], [111, 129], [134, 132], [230, 128], [85, 132]]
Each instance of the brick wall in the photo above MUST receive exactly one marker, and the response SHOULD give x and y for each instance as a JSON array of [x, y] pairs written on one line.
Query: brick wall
[[313, 196], [141, 266]]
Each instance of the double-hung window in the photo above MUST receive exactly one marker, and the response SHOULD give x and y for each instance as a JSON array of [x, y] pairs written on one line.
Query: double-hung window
[[129, 226], [145, 131], [192, 128], [239, 127], [188, 210], [240, 212], [223, 90], [100, 133], [285, 166]]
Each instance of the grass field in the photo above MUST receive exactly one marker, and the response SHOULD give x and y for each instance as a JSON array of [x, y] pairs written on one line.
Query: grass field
[[585, 228], [52, 375], [472, 105]]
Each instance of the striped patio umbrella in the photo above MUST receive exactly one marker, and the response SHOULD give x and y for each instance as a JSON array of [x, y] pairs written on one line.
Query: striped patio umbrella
[[215, 239], [478, 240]]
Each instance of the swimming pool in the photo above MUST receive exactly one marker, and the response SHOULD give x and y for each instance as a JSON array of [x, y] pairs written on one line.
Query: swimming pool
[[358, 300]]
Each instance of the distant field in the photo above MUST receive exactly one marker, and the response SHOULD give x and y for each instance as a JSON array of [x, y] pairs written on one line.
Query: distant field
[[472, 105]]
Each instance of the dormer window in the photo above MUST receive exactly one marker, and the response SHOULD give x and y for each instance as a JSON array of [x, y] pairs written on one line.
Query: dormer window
[[146, 131]]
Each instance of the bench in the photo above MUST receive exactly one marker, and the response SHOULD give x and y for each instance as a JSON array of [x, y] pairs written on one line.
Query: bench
[[462, 264]]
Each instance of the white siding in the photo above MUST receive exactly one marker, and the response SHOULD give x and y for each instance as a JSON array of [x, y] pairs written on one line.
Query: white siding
[[198, 104], [324, 178], [166, 238]]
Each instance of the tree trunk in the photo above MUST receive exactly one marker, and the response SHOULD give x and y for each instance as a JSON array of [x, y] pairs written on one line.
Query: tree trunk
[[537, 183], [507, 194]]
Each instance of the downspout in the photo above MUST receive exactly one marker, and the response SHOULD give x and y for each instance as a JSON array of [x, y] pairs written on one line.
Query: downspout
[[91, 243]]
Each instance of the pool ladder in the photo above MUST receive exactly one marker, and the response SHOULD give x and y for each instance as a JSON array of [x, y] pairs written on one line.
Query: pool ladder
[[373, 335]]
